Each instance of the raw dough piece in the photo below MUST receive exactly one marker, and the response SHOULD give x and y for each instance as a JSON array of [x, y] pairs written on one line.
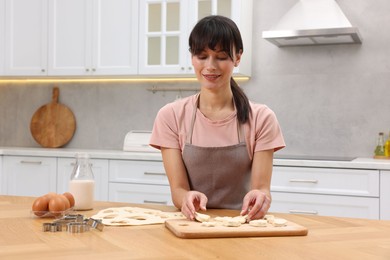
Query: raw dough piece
[[201, 217], [208, 224], [270, 218], [241, 219], [232, 223], [222, 219], [258, 223], [279, 222]]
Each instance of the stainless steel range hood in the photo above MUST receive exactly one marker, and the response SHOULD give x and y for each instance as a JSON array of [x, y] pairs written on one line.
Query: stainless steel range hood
[[313, 22]]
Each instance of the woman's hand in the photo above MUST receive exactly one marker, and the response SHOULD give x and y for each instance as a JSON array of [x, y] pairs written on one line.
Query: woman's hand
[[256, 204], [192, 202]]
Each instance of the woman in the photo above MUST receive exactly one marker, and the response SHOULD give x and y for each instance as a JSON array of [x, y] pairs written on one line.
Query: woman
[[217, 146]]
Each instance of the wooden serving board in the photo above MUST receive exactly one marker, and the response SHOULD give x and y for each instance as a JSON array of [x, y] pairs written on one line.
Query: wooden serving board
[[192, 229], [53, 124]]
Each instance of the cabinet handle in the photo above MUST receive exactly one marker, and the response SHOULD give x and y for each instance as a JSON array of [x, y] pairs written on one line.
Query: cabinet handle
[[31, 162], [156, 202], [304, 180], [182, 68], [93, 69], [86, 70], [189, 68], [297, 211], [42, 70], [155, 173]]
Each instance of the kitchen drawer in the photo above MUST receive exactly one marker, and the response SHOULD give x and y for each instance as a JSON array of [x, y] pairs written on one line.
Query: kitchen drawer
[[326, 181], [146, 172], [140, 193], [28, 175], [325, 205]]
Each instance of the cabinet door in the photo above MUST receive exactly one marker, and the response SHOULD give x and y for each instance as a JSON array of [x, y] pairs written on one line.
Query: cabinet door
[[115, 37], [139, 172], [70, 28], [2, 36], [100, 172], [29, 176], [325, 205], [352, 182], [140, 193], [385, 195], [163, 27], [26, 37]]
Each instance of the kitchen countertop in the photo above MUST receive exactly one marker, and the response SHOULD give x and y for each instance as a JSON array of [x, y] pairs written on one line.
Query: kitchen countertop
[[357, 163], [21, 237]]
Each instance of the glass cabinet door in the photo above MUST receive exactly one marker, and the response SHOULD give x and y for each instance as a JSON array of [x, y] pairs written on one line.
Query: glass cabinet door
[[161, 34], [165, 28]]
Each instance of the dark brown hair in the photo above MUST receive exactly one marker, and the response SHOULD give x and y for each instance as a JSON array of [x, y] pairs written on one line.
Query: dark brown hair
[[218, 31]]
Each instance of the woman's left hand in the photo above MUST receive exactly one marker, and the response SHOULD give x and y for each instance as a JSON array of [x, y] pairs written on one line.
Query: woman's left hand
[[256, 204]]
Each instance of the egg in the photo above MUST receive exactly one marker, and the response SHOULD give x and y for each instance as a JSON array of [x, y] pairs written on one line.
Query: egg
[[40, 206], [70, 197], [57, 205], [66, 201], [50, 195]]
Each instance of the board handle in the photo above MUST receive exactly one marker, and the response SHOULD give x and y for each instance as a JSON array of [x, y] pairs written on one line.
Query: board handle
[[56, 93]]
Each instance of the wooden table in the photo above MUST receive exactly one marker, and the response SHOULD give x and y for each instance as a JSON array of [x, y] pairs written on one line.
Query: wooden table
[[21, 237]]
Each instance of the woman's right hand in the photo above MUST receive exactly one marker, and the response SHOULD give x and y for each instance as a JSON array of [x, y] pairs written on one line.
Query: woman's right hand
[[193, 201]]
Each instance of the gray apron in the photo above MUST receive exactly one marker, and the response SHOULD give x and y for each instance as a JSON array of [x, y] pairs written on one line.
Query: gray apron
[[221, 173]]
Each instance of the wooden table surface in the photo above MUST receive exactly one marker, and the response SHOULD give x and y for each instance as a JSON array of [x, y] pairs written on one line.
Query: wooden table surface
[[21, 237]]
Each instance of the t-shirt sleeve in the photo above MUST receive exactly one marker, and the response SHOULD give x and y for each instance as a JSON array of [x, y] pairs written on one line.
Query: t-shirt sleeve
[[268, 132], [165, 129]]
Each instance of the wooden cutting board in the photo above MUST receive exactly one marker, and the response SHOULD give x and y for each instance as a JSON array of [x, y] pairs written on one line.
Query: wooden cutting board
[[53, 124], [192, 229]]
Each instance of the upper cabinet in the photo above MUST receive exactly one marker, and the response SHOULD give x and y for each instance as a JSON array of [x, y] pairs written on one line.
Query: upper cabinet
[[105, 37], [25, 37], [165, 26], [93, 37]]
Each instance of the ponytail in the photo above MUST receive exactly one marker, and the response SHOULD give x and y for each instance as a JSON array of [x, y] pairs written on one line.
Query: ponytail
[[241, 101]]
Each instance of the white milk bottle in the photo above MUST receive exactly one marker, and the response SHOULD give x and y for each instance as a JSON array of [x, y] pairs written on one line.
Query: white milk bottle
[[82, 183]]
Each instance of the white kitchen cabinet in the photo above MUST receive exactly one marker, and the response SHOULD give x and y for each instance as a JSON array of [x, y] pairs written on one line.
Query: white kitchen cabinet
[[28, 176], [2, 37], [93, 37], [385, 195], [326, 191], [25, 37], [165, 26], [140, 193], [100, 172], [325, 205], [139, 182]]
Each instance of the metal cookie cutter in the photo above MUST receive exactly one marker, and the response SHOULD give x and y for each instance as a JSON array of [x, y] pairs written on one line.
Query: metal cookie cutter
[[95, 224], [52, 227], [77, 227]]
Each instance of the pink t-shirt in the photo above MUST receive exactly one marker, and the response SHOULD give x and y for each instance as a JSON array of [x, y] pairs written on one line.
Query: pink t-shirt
[[173, 124]]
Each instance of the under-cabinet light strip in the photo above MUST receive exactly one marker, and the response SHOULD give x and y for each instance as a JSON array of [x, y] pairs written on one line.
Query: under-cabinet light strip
[[77, 80]]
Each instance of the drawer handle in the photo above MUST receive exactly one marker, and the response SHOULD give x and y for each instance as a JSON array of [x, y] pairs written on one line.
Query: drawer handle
[[156, 202], [31, 162], [155, 173], [303, 181], [297, 211]]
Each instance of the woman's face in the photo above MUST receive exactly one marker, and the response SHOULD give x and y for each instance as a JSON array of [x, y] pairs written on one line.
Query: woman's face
[[214, 68]]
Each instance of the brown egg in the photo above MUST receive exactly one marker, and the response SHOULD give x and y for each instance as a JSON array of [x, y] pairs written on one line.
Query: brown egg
[[40, 206], [66, 201], [56, 205], [70, 197], [50, 195]]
